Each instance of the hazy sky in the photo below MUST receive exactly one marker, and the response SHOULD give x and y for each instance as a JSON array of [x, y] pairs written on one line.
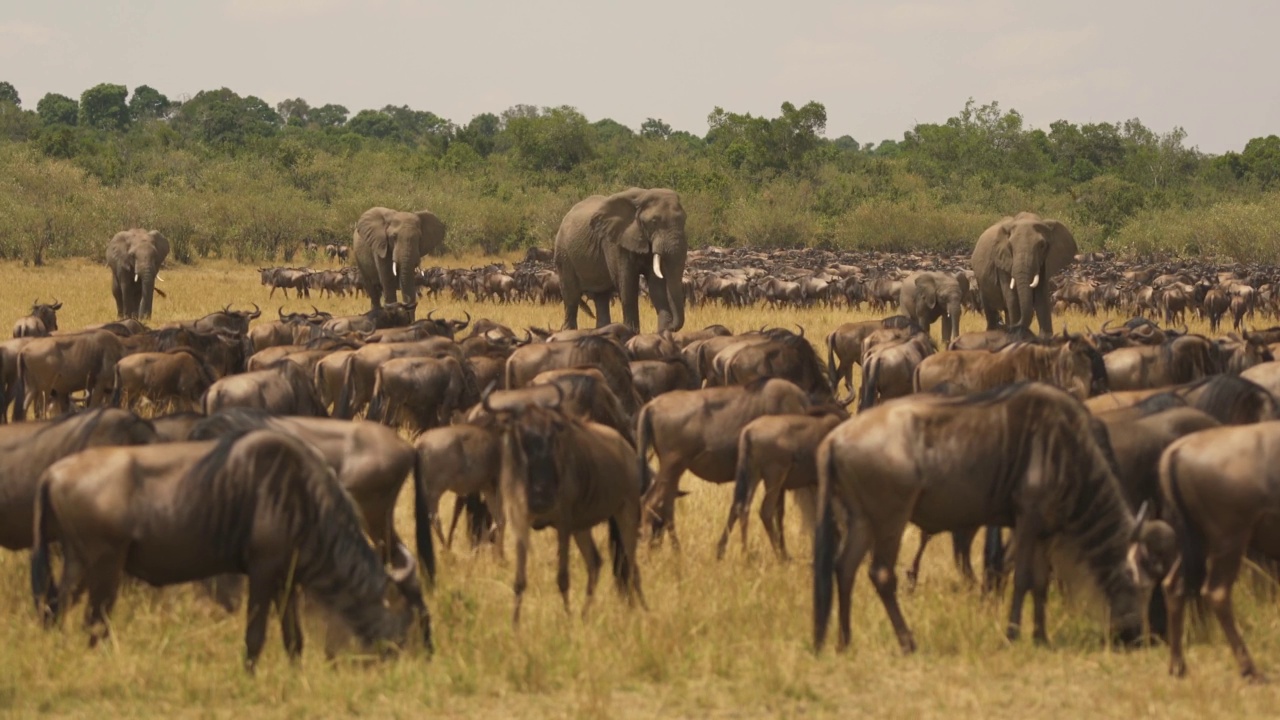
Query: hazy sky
[[879, 66]]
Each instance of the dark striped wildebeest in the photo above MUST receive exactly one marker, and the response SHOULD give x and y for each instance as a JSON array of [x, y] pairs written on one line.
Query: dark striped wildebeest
[[264, 504], [1022, 456]]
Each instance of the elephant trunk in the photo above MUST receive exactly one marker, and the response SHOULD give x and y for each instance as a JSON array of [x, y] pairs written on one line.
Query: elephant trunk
[[146, 279], [404, 266], [671, 282], [951, 324]]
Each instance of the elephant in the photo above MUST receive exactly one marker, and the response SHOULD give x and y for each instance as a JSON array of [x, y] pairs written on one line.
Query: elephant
[[135, 257], [388, 246], [605, 243], [928, 296], [1013, 263]]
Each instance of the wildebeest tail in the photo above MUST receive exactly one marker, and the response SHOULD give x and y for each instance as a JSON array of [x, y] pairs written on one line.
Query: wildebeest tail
[[377, 403], [117, 394], [43, 592], [342, 408], [870, 381], [422, 519], [831, 359], [824, 548], [742, 485], [1190, 542], [621, 563], [644, 436], [19, 391]]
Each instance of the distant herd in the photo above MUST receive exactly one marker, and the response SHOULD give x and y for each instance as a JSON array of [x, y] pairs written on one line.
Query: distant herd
[[225, 450]]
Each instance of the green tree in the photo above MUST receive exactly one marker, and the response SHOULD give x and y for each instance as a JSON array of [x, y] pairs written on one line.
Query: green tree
[[557, 139], [329, 116], [103, 107], [9, 94], [294, 112], [55, 109], [758, 144], [655, 128], [481, 133], [221, 118], [1261, 161], [147, 103], [373, 124]]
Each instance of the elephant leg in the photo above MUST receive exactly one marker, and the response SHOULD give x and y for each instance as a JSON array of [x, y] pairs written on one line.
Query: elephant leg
[[118, 294], [994, 321], [601, 301], [571, 292], [1043, 316], [629, 293]]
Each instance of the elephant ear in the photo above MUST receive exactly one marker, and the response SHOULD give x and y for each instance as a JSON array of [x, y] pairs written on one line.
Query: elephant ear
[[963, 281], [927, 290], [161, 244], [118, 251], [615, 220], [372, 229], [1062, 248], [1002, 251], [432, 232]]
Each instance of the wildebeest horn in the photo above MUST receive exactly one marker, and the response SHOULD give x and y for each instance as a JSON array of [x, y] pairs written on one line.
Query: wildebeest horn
[[57, 304], [484, 395], [463, 324], [1143, 510], [226, 308], [1104, 326], [432, 313], [801, 330], [280, 311], [257, 311]]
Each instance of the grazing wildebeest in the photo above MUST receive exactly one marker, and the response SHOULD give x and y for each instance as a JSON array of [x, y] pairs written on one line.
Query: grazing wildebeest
[[845, 343], [371, 461], [391, 315], [655, 377], [1181, 359], [1229, 399], [264, 504], [283, 388], [463, 459], [227, 320], [42, 320], [888, 370], [423, 391], [1021, 456], [28, 448], [604, 353], [1221, 491], [697, 430], [560, 472], [360, 368], [784, 355], [779, 450]]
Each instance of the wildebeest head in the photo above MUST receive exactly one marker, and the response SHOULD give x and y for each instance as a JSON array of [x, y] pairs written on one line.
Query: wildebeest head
[[47, 313], [530, 423], [396, 314], [1153, 548], [1081, 370]]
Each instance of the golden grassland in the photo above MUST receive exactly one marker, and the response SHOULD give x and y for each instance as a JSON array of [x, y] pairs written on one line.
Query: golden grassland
[[720, 639]]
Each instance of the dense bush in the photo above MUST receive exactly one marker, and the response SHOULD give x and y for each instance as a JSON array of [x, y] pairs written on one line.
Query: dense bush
[[230, 176]]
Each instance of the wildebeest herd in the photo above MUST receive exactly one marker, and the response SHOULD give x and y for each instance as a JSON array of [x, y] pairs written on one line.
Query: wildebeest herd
[[222, 449]]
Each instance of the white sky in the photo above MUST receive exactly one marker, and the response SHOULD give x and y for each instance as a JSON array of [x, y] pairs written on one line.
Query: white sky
[[879, 66]]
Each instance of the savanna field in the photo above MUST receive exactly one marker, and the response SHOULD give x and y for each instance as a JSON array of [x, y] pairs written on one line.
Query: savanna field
[[728, 638]]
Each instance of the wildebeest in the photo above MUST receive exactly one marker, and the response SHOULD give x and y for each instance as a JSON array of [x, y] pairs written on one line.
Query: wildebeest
[[28, 448], [1221, 490], [227, 320], [177, 378], [1180, 359], [42, 320], [845, 343], [283, 388], [1074, 365], [51, 368], [697, 430], [888, 370], [655, 377], [604, 353], [393, 314], [783, 354], [779, 450], [463, 459], [1023, 455], [560, 472], [360, 367], [263, 504], [425, 391]]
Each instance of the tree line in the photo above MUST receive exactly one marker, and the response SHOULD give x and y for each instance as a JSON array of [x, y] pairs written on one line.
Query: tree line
[[226, 175]]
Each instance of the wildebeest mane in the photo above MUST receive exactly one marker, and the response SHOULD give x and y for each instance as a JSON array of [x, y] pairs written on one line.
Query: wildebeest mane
[[232, 421], [1231, 399], [250, 478], [91, 419]]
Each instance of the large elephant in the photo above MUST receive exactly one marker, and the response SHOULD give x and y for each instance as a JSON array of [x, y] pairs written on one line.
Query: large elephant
[[135, 257], [1014, 261], [388, 245], [606, 243], [928, 296]]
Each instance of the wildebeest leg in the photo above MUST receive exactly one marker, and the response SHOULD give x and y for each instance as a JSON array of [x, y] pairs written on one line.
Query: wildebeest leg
[[522, 560], [71, 587], [562, 565], [263, 589], [1024, 548], [779, 517], [961, 552], [660, 502], [290, 624], [102, 578], [591, 557], [1040, 592], [913, 572], [1176, 603], [1224, 567], [992, 560], [886, 542], [857, 541]]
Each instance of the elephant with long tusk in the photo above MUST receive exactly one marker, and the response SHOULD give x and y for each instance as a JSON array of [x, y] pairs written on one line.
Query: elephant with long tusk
[[135, 257], [1011, 260]]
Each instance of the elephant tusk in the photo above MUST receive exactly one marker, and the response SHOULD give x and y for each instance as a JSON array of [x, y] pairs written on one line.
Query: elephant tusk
[[1011, 287], [159, 278], [135, 277], [393, 268], [657, 266], [1035, 281]]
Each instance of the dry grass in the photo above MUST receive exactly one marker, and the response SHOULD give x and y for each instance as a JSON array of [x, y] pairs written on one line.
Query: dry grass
[[721, 639]]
